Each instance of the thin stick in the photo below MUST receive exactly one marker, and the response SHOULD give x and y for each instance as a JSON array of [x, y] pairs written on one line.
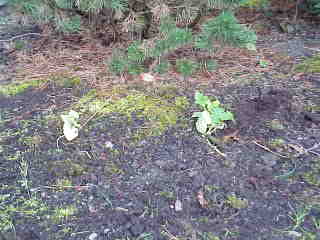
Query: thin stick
[[315, 153], [58, 141], [313, 49], [269, 150], [217, 149], [297, 12], [19, 36], [313, 147], [310, 150]]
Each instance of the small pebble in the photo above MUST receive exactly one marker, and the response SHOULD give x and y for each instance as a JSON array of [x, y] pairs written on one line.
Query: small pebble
[[93, 236], [108, 144], [178, 205]]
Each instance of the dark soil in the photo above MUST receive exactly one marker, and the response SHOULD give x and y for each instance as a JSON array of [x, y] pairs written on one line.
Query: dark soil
[[254, 181]]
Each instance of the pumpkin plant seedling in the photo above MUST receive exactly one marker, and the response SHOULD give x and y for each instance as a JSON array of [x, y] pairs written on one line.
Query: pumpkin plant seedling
[[212, 117]]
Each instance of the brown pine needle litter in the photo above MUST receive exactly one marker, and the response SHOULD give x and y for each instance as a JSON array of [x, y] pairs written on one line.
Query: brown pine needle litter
[[76, 56]]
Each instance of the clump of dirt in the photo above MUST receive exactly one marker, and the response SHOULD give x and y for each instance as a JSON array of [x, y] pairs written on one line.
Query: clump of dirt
[[252, 114]]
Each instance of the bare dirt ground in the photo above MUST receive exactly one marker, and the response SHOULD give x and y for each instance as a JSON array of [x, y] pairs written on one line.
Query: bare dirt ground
[[138, 169]]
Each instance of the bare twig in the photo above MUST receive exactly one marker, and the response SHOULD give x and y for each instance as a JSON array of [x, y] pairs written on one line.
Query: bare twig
[[301, 150], [217, 150], [310, 150], [20, 36], [297, 12], [269, 150], [313, 49], [58, 139]]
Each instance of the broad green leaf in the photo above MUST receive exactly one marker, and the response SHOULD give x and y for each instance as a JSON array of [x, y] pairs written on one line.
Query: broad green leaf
[[73, 114], [251, 46], [213, 105], [226, 116], [201, 99], [213, 117]]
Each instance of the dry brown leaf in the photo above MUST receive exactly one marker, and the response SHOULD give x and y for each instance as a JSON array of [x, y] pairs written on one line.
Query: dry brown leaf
[[147, 77], [200, 196]]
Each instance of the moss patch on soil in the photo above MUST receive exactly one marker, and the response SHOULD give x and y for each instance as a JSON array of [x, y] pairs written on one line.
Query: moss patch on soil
[[159, 109], [313, 175], [60, 80], [13, 205], [19, 87], [310, 65]]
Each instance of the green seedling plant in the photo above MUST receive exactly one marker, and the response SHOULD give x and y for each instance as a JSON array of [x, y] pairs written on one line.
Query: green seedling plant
[[263, 63], [212, 117], [71, 125]]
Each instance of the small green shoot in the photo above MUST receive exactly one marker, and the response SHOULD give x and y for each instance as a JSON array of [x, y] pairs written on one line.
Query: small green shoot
[[264, 63], [71, 125], [212, 117]]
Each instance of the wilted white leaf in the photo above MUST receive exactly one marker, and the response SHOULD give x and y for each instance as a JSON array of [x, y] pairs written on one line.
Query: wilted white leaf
[[70, 132], [203, 121], [70, 126]]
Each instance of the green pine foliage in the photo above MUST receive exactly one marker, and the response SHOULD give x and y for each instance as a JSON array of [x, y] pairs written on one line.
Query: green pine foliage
[[162, 67], [168, 24], [313, 6], [173, 38], [225, 29], [186, 67]]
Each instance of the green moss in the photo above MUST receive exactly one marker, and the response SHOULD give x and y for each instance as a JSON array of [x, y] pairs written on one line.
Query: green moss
[[275, 124], [11, 207], [32, 141], [18, 88], [312, 108], [308, 236], [236, 203], [208, 236], [62, 183], [112, 169], [313, 176], [160, 108], [166, 194], [277, 143], [255, 3], [66, 168], [311, 65], [66, 81], [62, 214]]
